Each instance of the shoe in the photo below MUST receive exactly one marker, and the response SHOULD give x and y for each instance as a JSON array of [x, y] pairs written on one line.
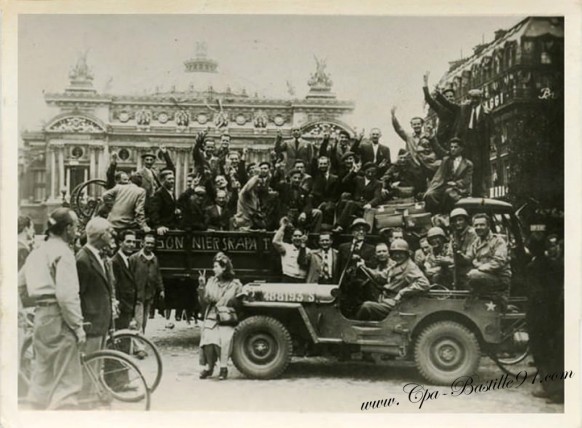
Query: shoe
[[126, 388], [141, 354], [170, 325], [223, 373], [206, 373]]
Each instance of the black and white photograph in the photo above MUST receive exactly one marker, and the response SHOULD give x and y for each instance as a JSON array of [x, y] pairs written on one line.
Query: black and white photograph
[[299, 213]]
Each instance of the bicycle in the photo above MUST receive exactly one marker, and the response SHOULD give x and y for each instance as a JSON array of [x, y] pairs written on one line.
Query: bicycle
[[139, 350], [113, 375]]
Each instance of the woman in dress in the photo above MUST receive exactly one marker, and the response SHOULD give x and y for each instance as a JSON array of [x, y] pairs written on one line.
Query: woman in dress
[[221, 290]]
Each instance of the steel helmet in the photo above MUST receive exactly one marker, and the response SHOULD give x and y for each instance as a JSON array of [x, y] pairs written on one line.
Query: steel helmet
[[459, 211], [399, 245], [435, 231]]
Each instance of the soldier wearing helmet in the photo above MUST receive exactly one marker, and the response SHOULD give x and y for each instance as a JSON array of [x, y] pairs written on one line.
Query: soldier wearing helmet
[[404, 279], [463, 236], [438, 265]]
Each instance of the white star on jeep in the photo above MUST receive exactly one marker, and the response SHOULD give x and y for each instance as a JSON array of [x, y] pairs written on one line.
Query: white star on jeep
[[490, 306]]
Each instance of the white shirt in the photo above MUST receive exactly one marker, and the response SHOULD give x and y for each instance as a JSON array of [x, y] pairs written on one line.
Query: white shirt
[[289, 263], [366, 181], [475, 111], [124, 258], [456, 163], [97, 254]]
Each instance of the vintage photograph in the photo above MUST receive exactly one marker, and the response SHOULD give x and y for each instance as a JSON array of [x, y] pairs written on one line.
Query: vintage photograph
[[291, 213]]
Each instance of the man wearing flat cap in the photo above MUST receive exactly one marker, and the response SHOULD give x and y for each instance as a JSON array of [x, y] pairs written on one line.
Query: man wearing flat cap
[[451, 182], [193, 216], [473, 127], [149, 173], [367, 194], [164, 211]]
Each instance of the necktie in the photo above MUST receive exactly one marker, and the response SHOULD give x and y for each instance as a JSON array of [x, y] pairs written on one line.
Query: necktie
[[325, 267], [473, 118], [297, 144]]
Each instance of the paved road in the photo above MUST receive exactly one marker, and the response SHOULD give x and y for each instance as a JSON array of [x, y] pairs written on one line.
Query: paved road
[[316, 384]]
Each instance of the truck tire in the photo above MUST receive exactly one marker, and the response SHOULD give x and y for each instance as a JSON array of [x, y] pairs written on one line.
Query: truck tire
[[262, 347], [445, 351]]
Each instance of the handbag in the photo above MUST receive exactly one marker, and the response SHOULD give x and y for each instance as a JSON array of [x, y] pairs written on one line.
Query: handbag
[[226, 315]]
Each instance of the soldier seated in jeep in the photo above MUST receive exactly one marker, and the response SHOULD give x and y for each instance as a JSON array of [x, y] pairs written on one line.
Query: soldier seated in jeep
[[404, 278]]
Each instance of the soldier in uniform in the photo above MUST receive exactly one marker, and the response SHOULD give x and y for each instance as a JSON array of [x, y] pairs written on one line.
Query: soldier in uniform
[[404, 279], [462, 238], [491, 273], [438, 264], [50, 275]]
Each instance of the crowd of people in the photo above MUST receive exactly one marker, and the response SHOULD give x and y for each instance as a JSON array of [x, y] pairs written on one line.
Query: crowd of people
[[305, 187], [315, 184]]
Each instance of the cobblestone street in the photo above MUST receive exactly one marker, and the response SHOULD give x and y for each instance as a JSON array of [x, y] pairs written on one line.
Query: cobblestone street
[[316, 384]]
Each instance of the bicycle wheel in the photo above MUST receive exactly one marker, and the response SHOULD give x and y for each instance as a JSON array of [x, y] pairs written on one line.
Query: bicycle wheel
[[115, 376], [142, 352]]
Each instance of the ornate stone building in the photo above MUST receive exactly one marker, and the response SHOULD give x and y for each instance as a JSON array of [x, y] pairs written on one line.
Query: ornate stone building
[[521, 73], [88, 126]]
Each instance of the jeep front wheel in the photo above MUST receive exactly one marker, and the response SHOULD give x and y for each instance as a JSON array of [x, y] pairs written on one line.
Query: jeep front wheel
[[445, 351], [262, 347]]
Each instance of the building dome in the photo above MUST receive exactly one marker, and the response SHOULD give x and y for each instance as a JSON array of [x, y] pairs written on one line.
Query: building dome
[[201, 76]]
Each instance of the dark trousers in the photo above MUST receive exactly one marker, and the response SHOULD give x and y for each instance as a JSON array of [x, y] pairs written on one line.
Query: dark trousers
[[373, 311]]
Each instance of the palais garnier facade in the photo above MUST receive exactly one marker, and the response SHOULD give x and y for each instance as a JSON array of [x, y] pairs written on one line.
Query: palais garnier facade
[[76, 143]]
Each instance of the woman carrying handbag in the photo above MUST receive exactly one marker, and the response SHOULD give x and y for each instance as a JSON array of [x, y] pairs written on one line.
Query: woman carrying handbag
[[220, 296]]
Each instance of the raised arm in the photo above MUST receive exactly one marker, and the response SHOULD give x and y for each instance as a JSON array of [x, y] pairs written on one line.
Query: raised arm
[[396, 125], [278, 238], [169, 164]]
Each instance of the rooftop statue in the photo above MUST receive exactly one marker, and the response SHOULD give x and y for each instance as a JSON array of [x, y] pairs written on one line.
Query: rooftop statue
[[320, 80], [81, 71]]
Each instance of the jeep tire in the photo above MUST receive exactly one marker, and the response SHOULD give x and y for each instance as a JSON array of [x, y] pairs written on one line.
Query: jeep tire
[[262, 347], [445, 351]]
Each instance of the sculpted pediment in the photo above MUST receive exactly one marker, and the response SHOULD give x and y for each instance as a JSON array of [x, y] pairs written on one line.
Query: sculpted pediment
[[78, 124]]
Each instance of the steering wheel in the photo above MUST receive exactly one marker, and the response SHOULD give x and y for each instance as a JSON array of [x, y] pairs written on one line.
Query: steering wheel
[[84, 205]]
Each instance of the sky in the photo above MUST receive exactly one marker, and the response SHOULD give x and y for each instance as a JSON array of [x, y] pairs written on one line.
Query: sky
[[375, 61]]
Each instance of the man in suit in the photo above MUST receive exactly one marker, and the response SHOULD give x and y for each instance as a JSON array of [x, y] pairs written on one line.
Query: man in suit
[[447, 117], [164, 211], [193, 214], [367, 194], [125, 287], [148, 279], [149, 173], [95, 289], [126, 204], [297, 203], [322, 265], [218, 216], [473, 126], [325, 190], [349, 254], [374, 152], [296, 148], [451, 182]]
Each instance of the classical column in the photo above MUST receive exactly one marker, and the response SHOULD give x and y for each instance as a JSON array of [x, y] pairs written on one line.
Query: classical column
[[68, 175], [186, 166], [61, 168], [92, 170], [178, 153], [53, 173], [138, 154]]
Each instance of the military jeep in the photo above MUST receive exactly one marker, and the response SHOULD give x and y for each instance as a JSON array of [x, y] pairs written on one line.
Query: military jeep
[[444, 332]]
